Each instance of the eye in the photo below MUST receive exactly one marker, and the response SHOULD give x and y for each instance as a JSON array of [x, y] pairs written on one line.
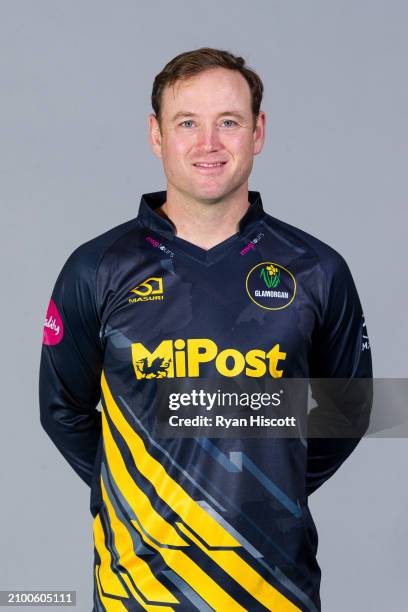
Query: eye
[[230, 121], [189, 121]]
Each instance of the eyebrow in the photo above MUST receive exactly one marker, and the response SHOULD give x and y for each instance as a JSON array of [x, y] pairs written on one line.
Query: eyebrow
[[233, 113]]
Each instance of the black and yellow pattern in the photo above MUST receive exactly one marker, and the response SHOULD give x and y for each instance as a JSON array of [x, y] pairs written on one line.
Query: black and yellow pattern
[[197, 526]]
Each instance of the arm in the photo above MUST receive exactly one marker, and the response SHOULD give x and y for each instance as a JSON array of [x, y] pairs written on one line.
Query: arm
[[71, 365], [340, 351]]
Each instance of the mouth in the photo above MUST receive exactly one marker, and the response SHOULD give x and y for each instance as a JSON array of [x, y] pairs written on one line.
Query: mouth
[[213, 164], [208, 166]]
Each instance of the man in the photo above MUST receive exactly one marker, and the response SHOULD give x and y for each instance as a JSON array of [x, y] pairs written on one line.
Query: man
[[201, 287]]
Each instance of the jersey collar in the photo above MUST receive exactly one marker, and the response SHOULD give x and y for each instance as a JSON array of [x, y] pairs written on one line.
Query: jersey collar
[[151, 219]]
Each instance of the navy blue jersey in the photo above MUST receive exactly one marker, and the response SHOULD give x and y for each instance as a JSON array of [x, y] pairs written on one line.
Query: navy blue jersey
[[196, 522]]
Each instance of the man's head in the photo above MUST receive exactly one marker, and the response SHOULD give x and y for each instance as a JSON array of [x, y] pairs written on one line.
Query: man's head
[[206, 106]]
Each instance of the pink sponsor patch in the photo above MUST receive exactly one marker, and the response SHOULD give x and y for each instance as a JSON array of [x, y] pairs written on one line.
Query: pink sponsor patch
[[53, 328]]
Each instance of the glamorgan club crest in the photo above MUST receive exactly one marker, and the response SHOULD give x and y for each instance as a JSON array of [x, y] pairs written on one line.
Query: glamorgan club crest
[[271, 286]]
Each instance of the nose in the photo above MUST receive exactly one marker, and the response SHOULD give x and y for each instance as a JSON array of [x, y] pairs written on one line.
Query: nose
[[208, 137]]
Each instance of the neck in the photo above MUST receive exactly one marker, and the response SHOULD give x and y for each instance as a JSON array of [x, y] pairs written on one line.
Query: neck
[[205, 223]]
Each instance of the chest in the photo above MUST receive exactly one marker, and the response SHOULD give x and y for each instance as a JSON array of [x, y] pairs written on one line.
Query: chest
[[237, 316]]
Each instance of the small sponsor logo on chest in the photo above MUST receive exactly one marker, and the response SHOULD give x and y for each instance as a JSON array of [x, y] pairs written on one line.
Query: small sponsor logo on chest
[[150, 289]]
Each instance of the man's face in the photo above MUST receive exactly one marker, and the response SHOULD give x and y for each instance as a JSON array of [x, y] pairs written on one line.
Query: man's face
[[207, 119]]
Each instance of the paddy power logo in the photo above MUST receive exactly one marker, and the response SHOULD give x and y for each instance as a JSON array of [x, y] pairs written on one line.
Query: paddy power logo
[[184, 358]]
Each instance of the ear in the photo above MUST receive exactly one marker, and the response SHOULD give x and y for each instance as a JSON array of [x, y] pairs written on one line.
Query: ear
[[154, 135], [259, 133]]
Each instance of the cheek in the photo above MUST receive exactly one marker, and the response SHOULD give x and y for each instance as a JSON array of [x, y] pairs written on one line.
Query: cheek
[[239, 144], [176, 148], [175, 157]]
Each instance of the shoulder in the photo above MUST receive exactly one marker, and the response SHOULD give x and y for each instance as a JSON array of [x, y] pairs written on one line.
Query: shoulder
[[304, 244], [86, 257], [81, 267]]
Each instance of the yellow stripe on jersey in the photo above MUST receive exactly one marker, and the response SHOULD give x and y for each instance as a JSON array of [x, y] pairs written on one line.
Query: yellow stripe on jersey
[[198, 579], [109, 580], [155, 525], [246, 576], [113, 605], [166, 487], [147, 583], [149, 607]]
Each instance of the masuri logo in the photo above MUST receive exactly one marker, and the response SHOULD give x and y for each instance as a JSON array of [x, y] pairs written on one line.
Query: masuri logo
[[150, 289]]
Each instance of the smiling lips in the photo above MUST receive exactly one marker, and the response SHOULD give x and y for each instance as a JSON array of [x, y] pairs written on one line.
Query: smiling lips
[[209, 165]]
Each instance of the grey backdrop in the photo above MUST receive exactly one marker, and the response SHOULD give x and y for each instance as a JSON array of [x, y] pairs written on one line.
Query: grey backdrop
[[75, 81]]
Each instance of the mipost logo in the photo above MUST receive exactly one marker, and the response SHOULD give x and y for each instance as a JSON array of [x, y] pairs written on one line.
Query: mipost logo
[[184, 358]]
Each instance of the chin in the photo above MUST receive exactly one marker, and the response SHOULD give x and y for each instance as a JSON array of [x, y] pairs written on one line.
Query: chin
[[210, 197], [210, 194]]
